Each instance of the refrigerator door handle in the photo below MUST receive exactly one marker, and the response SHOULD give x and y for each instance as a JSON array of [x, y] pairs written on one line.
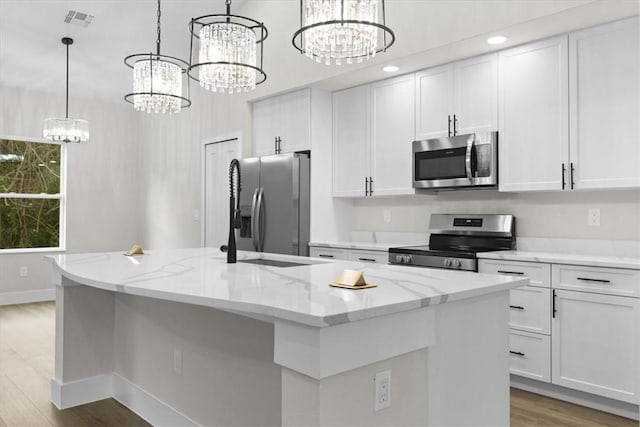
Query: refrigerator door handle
[[260, 219], [254, 220]]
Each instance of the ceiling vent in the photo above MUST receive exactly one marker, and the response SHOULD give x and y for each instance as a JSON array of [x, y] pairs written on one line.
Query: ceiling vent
[[78, 18]]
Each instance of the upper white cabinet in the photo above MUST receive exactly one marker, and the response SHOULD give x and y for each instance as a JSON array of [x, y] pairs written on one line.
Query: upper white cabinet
[[533, 114], [457, 98], [604, 96], [372, 135], [282, 124]]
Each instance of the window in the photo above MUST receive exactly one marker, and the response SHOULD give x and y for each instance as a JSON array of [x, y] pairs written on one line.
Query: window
[[32, 188]]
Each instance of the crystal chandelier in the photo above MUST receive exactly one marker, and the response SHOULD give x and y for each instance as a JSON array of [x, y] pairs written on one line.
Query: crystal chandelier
[[342, 31], [228, 59], [157, 81], [66, 129]]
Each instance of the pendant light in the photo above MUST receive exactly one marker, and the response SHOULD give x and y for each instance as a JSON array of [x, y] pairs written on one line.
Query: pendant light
[[157, 80], [342, 31], [229, 52], [66, 129]]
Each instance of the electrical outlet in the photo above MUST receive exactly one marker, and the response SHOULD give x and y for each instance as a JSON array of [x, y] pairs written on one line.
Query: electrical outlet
[[177, 361], [196, 215], [382, 390], [386, 214], [24, 271], [593, 217]]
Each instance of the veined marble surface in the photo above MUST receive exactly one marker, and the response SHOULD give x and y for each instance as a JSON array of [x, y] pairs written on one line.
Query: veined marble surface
[[375, 241], [299, 294], [363, 246], [565, 258]]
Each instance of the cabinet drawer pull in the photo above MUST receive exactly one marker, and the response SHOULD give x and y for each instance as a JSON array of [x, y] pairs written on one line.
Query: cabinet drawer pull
[[586, 279], [366, 186], [516, 307], [367, 259], [449, 125], [511, 272], [517, 353], [564, 184], [325, 256], [573, 184]]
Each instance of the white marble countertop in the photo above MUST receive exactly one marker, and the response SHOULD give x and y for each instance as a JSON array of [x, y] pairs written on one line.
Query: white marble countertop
[[298, 294], [565, 258]]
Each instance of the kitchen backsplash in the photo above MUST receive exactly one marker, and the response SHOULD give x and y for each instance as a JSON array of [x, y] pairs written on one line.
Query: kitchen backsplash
[[556, 215]]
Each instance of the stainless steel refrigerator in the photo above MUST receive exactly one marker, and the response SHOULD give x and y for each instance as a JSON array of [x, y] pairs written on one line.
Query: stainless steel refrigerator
[[274, 204]]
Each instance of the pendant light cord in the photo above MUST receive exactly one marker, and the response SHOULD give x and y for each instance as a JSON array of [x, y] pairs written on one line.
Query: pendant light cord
[[158, 39], [228, 4], [66, 109]]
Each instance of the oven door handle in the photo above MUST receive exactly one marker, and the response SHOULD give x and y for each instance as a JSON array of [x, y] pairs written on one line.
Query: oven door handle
[[467, 159]]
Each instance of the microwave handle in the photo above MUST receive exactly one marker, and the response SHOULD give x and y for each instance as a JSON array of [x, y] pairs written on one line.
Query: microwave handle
[[467, 160]]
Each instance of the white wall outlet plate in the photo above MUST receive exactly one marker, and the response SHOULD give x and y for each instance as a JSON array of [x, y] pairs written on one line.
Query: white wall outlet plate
[[386, 214], [177, 361], [24, 271], [382, 390], [593, 217]]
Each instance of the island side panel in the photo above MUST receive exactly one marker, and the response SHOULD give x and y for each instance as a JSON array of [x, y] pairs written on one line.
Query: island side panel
[[347, 399], [468, 366], [228, 374], [84, 344]]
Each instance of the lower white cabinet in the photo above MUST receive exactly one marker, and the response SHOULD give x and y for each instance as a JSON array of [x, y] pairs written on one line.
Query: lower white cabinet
[[596, 344], [530, 309], [359, 255], [530, 355], [376, 257], [331, 253]]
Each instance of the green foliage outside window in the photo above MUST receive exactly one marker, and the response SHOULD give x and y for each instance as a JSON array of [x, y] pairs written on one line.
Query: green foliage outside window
[[31, 169]]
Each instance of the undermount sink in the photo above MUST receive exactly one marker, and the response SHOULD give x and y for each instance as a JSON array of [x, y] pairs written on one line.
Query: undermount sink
[[274, 263]]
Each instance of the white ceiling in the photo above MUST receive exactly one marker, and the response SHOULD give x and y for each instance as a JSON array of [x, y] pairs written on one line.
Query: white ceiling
[[428, 32]]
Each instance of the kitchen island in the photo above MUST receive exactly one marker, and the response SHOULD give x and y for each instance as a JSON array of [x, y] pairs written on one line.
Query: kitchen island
[[183, 338]]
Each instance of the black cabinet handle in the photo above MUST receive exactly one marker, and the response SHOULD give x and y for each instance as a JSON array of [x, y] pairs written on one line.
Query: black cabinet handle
[[366, 186], [516, 307], [553, 305], [325, 256], [586, 279], [517, 353], [572, 171], [455, 125], [564, 170], [511, 272], [370, 186], [449, 125], [367, 259]]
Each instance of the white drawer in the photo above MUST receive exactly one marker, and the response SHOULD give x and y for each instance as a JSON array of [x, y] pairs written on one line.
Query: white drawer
[[602, 280], [377, 257], [530, 309], [530, 355], [331, 253], [539, 274]]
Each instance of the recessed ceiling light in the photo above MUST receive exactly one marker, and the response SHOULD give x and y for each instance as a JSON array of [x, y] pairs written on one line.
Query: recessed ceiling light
[[496, 40], [390, 68]]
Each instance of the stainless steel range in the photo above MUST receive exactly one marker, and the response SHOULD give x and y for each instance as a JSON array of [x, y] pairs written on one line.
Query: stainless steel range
[[456, 239]]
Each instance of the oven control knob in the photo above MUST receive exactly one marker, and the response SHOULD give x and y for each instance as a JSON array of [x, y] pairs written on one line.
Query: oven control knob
[[447, 262], [407, 259], [399, 259], [457, 263]]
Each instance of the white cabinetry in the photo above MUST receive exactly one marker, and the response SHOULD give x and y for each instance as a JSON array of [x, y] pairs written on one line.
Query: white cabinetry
[[596, 344], [372, 135], [282, 124], [331, 253], [350, 254], [457, 98], [604, 76], [533, 116]]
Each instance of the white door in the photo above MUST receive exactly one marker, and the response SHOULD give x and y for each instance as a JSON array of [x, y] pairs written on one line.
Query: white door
[[392, 125], [596, 344], [265, 126], [218, 155], [476, 94], [434, 102], [295, 121], [350, 141], [604, 74], [534, 116]]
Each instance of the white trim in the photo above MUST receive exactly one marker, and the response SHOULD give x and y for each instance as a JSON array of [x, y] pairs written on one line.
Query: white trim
[[30, 196], [147, 406], [589, 400], [24, 297], [203, 172], [29, 139], [86, 390], [30, 250]]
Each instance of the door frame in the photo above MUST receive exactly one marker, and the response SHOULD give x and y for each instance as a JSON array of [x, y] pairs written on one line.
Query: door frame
[[237, 135]]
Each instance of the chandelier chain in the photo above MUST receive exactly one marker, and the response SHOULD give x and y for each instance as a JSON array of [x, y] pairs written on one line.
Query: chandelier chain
[[158, 39]]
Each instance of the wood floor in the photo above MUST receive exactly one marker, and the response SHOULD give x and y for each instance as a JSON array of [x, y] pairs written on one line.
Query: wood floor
[[26, 368]]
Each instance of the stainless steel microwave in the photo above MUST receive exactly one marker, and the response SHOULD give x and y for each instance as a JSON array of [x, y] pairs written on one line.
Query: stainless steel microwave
[[462, 161]]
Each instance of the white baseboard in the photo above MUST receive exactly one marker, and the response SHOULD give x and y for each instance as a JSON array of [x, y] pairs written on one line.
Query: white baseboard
[[87, 390], [147, 406], [604, 404], [24, 297]]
